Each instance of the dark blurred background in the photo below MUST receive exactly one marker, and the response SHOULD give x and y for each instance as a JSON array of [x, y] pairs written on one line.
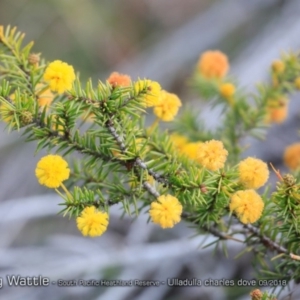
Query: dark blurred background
[[160, 40]]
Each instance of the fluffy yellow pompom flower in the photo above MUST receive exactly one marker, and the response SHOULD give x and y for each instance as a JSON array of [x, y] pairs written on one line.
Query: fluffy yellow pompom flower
[[212, 155], [60, 76], [168, 106], [253, 172], [116, 79], [227, 90], [247, 205], [213, 64], [166, 211], [291, 156], [92, 222], [151, 98], [52, 170]]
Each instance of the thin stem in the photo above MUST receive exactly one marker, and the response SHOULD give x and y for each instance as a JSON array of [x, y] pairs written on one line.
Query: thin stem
[[66, 191], [153, 126], [267, 242]]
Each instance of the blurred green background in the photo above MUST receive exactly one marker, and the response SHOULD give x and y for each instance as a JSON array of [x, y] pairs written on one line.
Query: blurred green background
[[97, 36]]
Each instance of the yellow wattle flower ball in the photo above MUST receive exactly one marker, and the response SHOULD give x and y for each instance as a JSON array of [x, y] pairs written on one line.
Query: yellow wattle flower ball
[[116, 79], [291, 156], [212, 155], [166, 211], [153, 88], [213, 64], [92, 222], [253, 172], [60, 76], [247, 205], [227, 90], [168, 106], [52, 170]]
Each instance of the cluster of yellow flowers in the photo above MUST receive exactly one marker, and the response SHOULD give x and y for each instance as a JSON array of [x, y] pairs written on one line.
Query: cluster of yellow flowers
[[168, 106], [166, 211], [253, 174], [165, 105], [58, 75], [213, 66], [52, 170], [247, 204], [210, 154]]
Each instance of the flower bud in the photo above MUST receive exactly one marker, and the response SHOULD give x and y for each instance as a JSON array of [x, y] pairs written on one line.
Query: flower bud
[[34, 59], [256, 295], [26, 118]]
